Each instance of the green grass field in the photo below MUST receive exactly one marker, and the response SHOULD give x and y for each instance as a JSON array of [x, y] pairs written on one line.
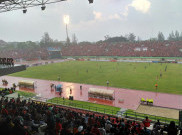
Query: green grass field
[[122, 75]]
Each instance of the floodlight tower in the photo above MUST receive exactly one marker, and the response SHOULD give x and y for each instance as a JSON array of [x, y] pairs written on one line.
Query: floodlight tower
[[67, 21]]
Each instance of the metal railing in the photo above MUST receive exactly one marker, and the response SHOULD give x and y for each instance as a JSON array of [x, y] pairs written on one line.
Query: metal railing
[[84, 107], [154, 118], [131, 115]]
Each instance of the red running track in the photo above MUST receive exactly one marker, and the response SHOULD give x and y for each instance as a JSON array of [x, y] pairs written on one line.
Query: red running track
[[131, 98]]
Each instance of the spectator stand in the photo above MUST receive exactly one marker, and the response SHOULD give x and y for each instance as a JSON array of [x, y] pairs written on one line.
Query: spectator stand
[[70, 114], [131, 115]]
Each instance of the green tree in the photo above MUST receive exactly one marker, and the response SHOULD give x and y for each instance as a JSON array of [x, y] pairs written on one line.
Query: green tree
[[131, 37], [46, 40], [116, 39], [106, 37], [67, 41], [180, 38], [153, 39], [160, 36], [177, 36], [171, 36], [74, 39]]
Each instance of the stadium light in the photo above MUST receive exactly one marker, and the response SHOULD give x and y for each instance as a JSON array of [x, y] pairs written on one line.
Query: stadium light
[[66, 19], [24, 10], [43, 7], [91, 1]]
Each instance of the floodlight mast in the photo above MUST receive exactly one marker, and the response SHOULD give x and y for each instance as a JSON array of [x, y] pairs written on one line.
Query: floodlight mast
[[10, 5], [66, 21]]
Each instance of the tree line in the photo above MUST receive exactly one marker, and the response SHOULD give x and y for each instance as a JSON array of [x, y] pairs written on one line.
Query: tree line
[[47, 41], [131, 37]]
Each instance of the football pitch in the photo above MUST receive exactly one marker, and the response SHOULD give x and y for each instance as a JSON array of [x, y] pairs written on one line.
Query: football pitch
[[139, 76]]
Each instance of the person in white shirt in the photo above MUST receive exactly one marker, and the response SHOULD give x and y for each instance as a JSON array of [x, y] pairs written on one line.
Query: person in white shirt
[[108, 126]]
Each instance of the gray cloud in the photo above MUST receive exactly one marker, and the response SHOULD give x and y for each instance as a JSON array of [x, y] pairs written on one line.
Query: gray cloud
[[163, 15]]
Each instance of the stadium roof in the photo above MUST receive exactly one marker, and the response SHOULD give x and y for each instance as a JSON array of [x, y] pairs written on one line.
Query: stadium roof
[[9, 5]]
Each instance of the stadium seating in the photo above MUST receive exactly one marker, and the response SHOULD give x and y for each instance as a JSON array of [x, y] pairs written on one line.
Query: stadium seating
[[137, 49], [26, 54], [22, 117], [125, 49]]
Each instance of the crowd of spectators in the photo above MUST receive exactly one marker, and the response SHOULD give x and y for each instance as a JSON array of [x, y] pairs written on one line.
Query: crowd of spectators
[[22, 117], [6, 91], [137, 49], [26, 54], [132, 49]]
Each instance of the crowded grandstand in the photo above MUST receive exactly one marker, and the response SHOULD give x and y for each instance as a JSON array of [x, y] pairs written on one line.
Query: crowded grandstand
[[117, 75], [136, 49]]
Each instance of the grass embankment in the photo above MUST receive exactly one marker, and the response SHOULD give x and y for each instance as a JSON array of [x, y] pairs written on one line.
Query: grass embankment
[[86, 105], [25, 94]]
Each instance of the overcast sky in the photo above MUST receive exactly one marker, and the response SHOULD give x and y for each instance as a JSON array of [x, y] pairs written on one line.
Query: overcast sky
[[91, 22]]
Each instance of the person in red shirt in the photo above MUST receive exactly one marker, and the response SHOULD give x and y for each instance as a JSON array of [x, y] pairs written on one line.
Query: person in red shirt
[[139, 129], [58, 126], [4, 111], [95, 130], [134, 123], [146, 122]]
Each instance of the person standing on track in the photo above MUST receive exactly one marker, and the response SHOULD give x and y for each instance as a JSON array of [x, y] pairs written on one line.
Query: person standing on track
[[70, 91]]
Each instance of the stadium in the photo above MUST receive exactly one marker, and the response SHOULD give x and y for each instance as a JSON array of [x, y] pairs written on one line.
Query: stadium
[[119, 85]]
